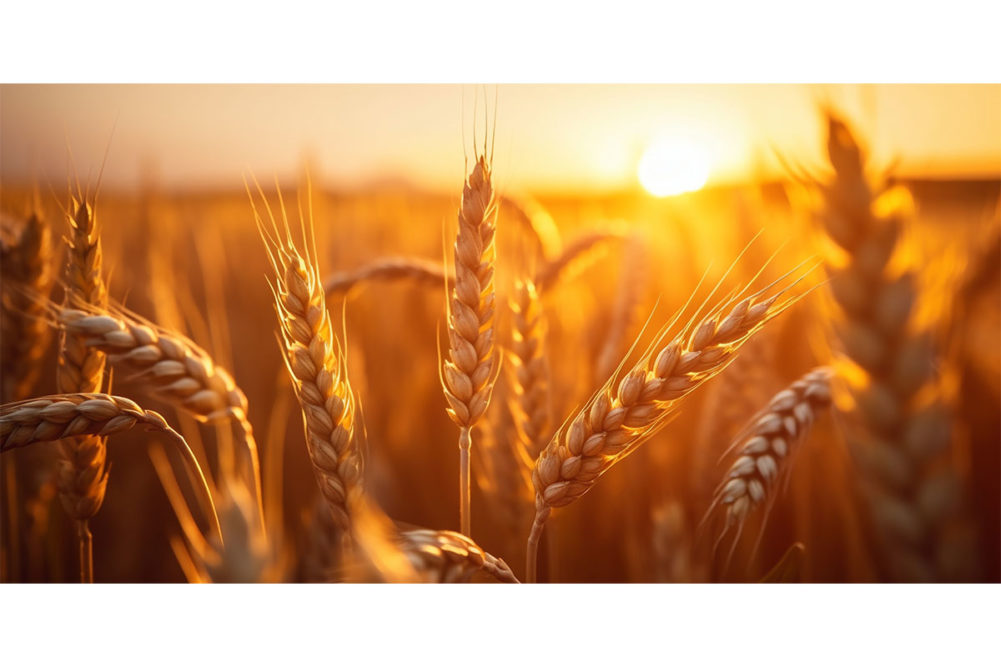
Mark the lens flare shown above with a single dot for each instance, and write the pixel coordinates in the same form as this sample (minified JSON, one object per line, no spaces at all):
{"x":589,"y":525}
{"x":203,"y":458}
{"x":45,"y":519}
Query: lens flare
{"x":673,"y":166}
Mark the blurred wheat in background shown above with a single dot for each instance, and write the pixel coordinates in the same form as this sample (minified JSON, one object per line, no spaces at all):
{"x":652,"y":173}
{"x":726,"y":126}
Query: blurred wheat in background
{"x":784,"y":378}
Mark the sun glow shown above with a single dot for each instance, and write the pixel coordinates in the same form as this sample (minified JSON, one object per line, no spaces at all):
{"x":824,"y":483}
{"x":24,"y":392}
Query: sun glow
{"x":671,"y":166}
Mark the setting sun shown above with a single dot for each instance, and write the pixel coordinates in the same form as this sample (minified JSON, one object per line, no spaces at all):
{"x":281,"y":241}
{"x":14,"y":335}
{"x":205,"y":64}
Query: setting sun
{"x":673,"y":166}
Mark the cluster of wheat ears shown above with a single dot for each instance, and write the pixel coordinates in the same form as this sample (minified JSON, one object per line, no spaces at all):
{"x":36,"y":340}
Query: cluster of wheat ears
{"x":881,"y":388}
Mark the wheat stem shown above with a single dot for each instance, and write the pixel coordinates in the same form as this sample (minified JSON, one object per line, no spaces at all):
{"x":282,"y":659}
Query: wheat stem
{"x":86,"y":549}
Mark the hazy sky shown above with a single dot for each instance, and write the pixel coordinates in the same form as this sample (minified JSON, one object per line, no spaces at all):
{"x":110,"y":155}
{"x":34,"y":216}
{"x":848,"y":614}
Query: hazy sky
{"x":548,"y":137}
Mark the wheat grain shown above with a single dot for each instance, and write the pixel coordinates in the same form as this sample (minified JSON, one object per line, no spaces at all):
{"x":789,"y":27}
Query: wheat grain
{"x":766,"y":447}
{"x":83,"y":471}
{"x":444,"y":556}
{"x":627,"y":411}
{"x":740,"y":390}
{"x":174,"y":368}
{"x":529,"y":369}
{"x":468,"y":373}
{"x":316,"y":366}
{"x":49,"y":418}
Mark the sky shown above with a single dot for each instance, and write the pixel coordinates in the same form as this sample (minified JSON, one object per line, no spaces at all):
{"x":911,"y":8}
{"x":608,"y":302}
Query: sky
{"x":548,"y":138}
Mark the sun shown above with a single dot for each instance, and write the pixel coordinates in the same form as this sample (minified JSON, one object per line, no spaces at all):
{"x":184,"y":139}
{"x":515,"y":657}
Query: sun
{"x":671,"y":166}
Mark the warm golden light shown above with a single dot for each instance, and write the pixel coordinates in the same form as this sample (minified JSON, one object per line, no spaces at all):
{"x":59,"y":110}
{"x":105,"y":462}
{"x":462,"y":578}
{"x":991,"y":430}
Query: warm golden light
{"x":671,"y":166}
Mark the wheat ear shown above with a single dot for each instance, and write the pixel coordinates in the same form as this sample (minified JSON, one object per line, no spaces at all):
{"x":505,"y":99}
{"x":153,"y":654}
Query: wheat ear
{"x":468,"y":374}
{"x":444,"y":556}
{"x":414,"y":269}
{"x":627,"y":411}
{"x":529,"y":369}
{"x":26,"y":281}
{"x":175,"y":368}
{"x":385,"y":553}
{"x":59,"y":416}
{"x":898,"y":425}
{"x":83,"y":469}
{"x":315,"y":363}
{"x":765,"y":448}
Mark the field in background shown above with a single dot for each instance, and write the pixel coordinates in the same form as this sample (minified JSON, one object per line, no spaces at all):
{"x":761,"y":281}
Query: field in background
{"x":196,"y":263}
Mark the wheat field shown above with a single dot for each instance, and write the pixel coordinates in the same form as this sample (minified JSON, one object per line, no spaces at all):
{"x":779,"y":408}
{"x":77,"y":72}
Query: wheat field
{"x":792,"y":380}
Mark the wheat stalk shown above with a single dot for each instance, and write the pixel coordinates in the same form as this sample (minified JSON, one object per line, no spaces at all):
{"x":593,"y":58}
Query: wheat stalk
{"x":468,"y":373}
{"x":239,"y":552}
{"x":622,"y":415}
{"x":59,"y":416}
{"x":316,"y":366}
{"x":415,"y":269}
{"x":83,"y":470}
{"x":766,"y":447}
{"x":899,"y":425}
{"x":670,"y":544}
{"x":26,"y":281}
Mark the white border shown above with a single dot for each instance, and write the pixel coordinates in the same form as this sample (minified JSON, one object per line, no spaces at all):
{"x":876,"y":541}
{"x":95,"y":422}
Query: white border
{"x":515,"y":41}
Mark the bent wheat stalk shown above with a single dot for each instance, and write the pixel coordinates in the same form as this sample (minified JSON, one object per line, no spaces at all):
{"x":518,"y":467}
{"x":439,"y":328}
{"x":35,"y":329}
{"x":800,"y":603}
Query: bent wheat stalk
{"x":574,"y":255}
{"x":541,"y":227}
{"x":83,"y":470}
{"x":622,"y":415}
{"x":315,"y":363}
{"x":175,"y":368}
{"x":239,"y":553}
{"x":59,"y":416}
{"x":468,"y":374}
{"x":415,"y":269}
